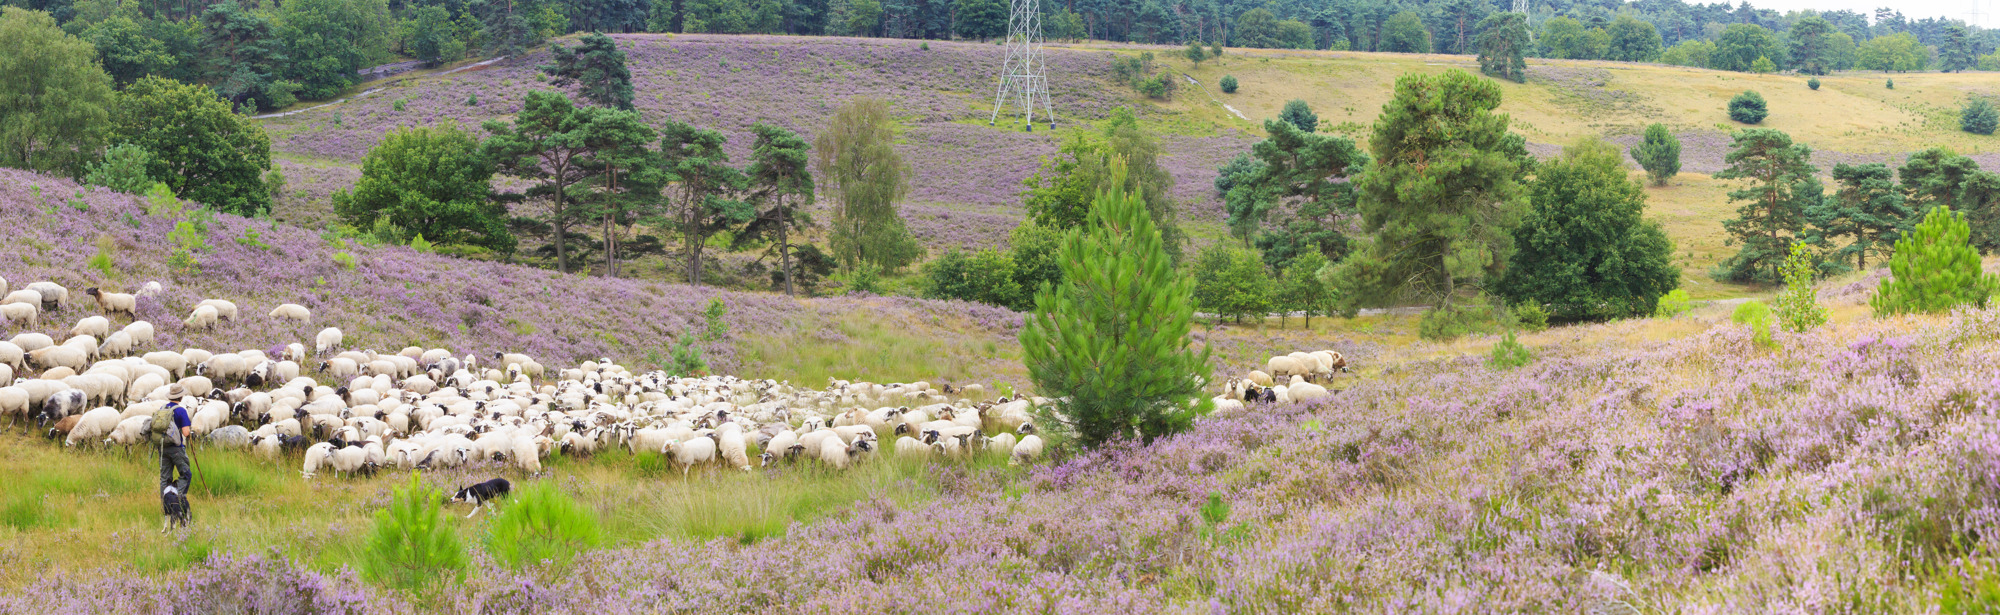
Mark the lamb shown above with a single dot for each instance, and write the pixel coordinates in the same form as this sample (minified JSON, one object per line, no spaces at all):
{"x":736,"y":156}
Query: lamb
{"x":92,"y":425}
{"x":62,"y":428}
{"x":224,"y":310}
{"x":1029,"y":448}
{"x":690,"y":452}
{"x":292,"y":311}
{"x":23,"y":314}
{"x":204,"y":317}
{"x":327,"y":340}
{"x":114,"y":303}
{"x":53,"y":294}
{"x":131,"y":432}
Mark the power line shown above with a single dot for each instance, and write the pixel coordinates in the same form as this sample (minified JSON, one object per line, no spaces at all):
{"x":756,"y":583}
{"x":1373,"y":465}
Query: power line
{"x":1025,"y":77}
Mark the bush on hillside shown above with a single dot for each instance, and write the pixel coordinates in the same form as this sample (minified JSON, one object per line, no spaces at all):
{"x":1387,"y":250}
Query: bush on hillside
{"x":1674,"y":303}
{"x":1798,"y":305}
{"x":1748,"y":108}
{"x":1509,"y":353}
{"x":1813,"y":84}
{"x":986,"y":276}
{"x":1935,"y":269}
{"x":542,"y":525}
{"x":1757,"y":316}
{"x":1659,"y":153}
{"x":1979,"y":117}
{"x":1763,"y":65}
{"x":1229,"y":84}
{"x":412,"y":546}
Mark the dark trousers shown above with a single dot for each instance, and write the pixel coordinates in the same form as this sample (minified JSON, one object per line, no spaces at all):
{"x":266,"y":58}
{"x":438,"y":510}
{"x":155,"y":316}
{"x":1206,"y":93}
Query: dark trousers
{"x":174,"y":459}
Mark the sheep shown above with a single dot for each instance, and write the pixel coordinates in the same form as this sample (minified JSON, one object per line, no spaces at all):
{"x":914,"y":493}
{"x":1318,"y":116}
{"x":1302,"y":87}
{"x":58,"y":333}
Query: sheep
{"x":349,"y":460}
{"x":231,"y":437}
{"x":204,"y":317}
{"x":92,"y":425}
{"x":143,"y":386}
{"x":12,"y":356}
{"x":1029,"y":448}
{"x":224,"y":368}
{"x":94,"y":326}
{"x":693,"y":451}
{"x":1002,"y":444}
{"x":729,"y":441}
{"x":1282,"y":366}
{"x":150,"y":289}
{"x":53,"y":294}
{"x":292,"y":311}
{"x":225,"y":310}
{"x":141,"y":332}
{"x":60,"y":356}
{"x":117,"y":345}
{"x":1300,"y":390}
{"x":174,"y":362}
{"x":527,"y":455}
{"x":131,"y":432}
{"x":23,"y":314}
{"x":197,"y":386}
{"x":30,"y":342}
{"x":209,"y":418}
{"x":909,"y":447}
{"x":62,"y":428}
{"x":315,"y":455}
{"x":23,"y":296}
{"x":341,"y":368}
{"x":114,"y":303}
{"x":833,"y":452}
{"x":327,"y":340}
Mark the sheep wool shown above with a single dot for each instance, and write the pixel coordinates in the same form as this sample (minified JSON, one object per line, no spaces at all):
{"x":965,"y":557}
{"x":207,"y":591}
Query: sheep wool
{"x":292,"y":311}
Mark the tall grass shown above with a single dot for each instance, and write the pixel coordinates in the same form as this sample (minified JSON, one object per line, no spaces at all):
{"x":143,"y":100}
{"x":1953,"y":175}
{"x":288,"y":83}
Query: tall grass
{"x":751,"y":506}
{"x":542,"y":525}
{"x":879,"y":351}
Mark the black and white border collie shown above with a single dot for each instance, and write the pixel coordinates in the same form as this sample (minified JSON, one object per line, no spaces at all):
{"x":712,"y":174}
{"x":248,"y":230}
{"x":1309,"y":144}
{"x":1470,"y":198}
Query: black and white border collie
{"x":482,"y":493}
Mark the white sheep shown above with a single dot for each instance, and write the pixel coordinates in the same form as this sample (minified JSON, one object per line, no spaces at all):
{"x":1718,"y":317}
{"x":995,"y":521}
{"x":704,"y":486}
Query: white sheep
{"x":117,"y":345}
{"x":690,"y":452}
{"x":349,"y":460}
{"x":12,"y":356}
{"x":174,"y":362}
{"x":22,"y":314}
{"x":23,"y":296}
{"x":93,"y":425}
{"x":225,"y":310}
{"x":131,"y":432}
{"x":1283,"y":366}
{"x":31,"y":342}
{"x":204,"y":317}
{"x":315,"y":455}
{"x":833,"y":452}
{"x":150,"y":289}
{"x":141,"y":332}
{"x":1029,"y":448}
{"x":527,"y":455}
{"x":327,"y":340}
{"x":71,"y":357}
{"x":53,"y":294}
{"x":224,"y":368}
{"x":731,"y":446}
{"x":292,"y":311}
{"x":114,"y":303}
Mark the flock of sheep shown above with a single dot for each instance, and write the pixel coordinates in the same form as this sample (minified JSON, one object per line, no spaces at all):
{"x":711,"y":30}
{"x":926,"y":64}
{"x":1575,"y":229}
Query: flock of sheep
{"x":1284,"y":379}
{"x":422,"y":408}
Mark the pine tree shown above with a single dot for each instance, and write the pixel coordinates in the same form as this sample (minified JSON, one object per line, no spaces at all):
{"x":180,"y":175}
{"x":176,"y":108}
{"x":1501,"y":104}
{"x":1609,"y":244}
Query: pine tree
{"x":1935,"y":269}
{"x":1292,"y":166}
{"x":782,"y":187}
{"x":1300,"y":115}
{"x":1113,"y":340}
{"x":1978,"y":117}
{"x":541,"y":144}
{"x":1442,"y":197}
{"x":124,"y":169}
{"x":1748,"y":108}
{"x":1957,"y":51}
{"x":704,"y":187}
{"x":1774,"y":205}
{"x":1937,"y":176}
{"x":1868,"y":208}
{"x":1503,"y":39}
{"x":619,"y":172}
{"x":1659,"y":154}
{"x":597,"y":66}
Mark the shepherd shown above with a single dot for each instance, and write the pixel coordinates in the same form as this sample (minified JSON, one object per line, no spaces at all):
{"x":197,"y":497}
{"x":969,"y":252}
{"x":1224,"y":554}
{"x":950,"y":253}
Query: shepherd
{"x":174,"y":474}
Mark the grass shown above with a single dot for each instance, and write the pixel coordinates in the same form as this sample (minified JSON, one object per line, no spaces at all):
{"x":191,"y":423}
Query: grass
{"x":857,"y":346}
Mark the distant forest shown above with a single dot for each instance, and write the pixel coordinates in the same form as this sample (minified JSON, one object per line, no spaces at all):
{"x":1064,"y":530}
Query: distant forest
{"x":264,"y":54}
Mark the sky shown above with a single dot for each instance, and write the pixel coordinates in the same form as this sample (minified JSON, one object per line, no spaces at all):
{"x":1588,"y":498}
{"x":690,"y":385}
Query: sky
{"x":1914,"y":9}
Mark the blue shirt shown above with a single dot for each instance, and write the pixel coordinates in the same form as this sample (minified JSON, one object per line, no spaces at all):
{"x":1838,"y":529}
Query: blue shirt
{"x":180,"y":420}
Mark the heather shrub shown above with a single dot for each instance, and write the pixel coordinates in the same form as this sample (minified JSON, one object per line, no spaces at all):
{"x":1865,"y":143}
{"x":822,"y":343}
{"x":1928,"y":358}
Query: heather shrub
{"x":1798,"y":307}
{"x":1477,"y":315}
{"x":1748,"y":108}
{"x":1935,"y":269}
{"x":412,"y":546}
{"x":1229,"y":84}
{"x":1674,"y":303}
{"x":542,"y":525}
{"x":1509,"y":353}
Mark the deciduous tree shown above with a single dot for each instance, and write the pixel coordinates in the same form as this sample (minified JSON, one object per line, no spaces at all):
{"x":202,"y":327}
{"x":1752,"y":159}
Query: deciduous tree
{"x":55,"y":103}
{"x":202,"y":149}
{"x":858,"y":165}
{"x":429,"y":182}
{"x":1585,"y":251}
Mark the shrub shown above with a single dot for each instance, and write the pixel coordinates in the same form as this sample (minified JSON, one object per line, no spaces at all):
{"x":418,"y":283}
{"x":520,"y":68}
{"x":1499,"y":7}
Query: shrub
{"x":1757,"y":316}
{"x":1532,"y":316}
{"x":124,"y":169}
{"x":102,"y":261}
{"x":1763,"y":65}
{"x":345,"y":260}
{"x":1979,"y":117}
{"x":1748,"y":108}
{"x":1229,"y":84}
{"x":1891,"y":84}
{"x":1463,"y":318}
{"x":542,"y":525}
{"x":1674,"y":303}
{"x":411,"y":544}
{"x":472,"y":100}
{"x":864,"y":278}
{"x":1195,"y":53}
{"x":1659,"y":153}
{"x":1935,"y":269}
{"x":1509,"y":353}
{"x":985,"y":277}
{"x":1798,"y":305}
{"x":1300,"y":115}
{"x":1215,"y":49}
{"x":1813,"y":84}
{"x":398,"y":103}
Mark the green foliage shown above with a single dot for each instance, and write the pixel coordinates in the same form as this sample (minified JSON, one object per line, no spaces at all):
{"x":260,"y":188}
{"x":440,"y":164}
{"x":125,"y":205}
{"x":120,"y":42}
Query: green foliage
{"x":1970,"y":585}
{"x":713,"y":325}
{"x":1773,"y":213}
{"x":1231,"y":282}
{"x":1299,"y":114}
{"x":1404,"y":33}
{"x":1697,"y":53}
{"x":1295,"y":34}
{"x":781,"y":181}
{"x":1531,"y":316}
{"x":1978,"y":117}
{"x":506,"y":25}
{"x":102,"y":261}
{"x":1585,"y":249}
{"x":1812,"y":46}
{"x":1956,"y":49}
{"x":420,"y":244}
{"x":1742,"y":44}
{"x":544,"y":142}
{"x":1228,"y":84}
{"x":398,"y":103}
{"x":188,"y":238}
{"x":597,"y":66}
{"x":1256,"y":28}
{"x":245,"y":58}
{"x":1466,"y":317}
{"x":1509,"y":353}
{"x":1869,"y":208}
{"x":982,"y":19}
{"x":203,"y":150}
{"x":1813,"y":84}
{"x":1763,"y":65}
{"x":1748,"y":107}
{"x":1891,"y":84}
{"x":126,"y":49}
{"x":1659,"y":153}
{"x":160,"y":201}
{"x":1674,"y":304}
{"x":472,"y":100}
{"x":428,"y":182}
{"x":1442,"y":197}
{"x":702,"y":195}
{"x":859,"y":168}
{"x":1798,"y":307}
{"x":1060,"y":196}
{"x":1935,"y":269}
{"x":1034,"y":250}
{"x":123,"y":169}
{"x":1114,"y":339}
{"x":1567,"y":38}
{"x":1194,"y":52}
{"x":1757,"y":316}
{"x":1937,"y":176}
{"x":55,"y":102}
{"x":1215,"y":511}
{"x":1900,"y":52}
{"x":1301,"y":290}
{"x":542,"y":525}
{"x":433,"y":37}
{"x":864,"y":277}
{"x":987,"y":276}
{"x":327,"y":41}
{"x":1632,"y":40}
{"x":1297,"y":168}
{"x":1503,"y":41}
{"x":344,"y":260}
{"x":411,"y":545}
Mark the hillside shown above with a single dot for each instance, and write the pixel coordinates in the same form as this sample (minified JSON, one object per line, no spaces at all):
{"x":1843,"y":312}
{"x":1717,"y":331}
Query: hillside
{"x":968,"y":176}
